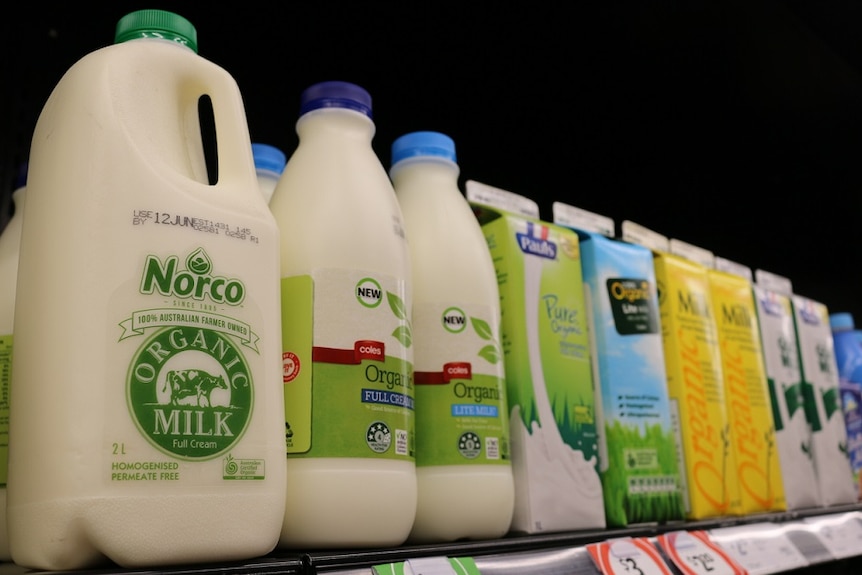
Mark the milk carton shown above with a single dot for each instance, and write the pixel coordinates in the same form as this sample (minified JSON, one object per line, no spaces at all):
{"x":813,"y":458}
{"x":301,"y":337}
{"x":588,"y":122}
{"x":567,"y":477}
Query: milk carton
{"x":694,"y":378}
{"x":549,"y":382}
{"x":822,"y":401}
{"x":781,"y":360}
{"x":758,"y":466}
{"x":638,"y":460}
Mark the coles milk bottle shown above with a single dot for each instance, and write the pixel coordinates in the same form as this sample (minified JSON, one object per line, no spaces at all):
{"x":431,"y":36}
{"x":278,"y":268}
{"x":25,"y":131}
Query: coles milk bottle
{"x":268,"y":163}
{"x":10,"y":241}
{"x":347,"y":332}
{"x":145,"y":414}
{"x":465,"y":484}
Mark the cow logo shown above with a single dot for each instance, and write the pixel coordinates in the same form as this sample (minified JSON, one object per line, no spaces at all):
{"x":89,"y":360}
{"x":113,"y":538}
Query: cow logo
{"x":190,"y":392}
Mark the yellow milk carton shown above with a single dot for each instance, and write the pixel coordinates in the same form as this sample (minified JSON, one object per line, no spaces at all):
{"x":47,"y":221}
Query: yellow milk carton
{"x":694,"y":378}
{"x":758,"y":466}
{"x":820,"y":385}
{"x":784,"y":377}
{"x":637,"y":445}
{"x":549,"y":384}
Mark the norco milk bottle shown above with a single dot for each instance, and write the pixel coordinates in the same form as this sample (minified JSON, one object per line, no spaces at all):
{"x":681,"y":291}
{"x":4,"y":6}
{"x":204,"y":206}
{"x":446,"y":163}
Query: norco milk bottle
{"x":145,"y":418}
{"x":10,"y":241}
{"x":347,"y":332}
{"x":465,"y":482}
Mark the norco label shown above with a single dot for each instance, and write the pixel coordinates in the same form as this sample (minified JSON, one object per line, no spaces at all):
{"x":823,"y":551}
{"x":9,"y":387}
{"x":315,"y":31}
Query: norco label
{"x":189,"y":384}
{"x":190,"y":392}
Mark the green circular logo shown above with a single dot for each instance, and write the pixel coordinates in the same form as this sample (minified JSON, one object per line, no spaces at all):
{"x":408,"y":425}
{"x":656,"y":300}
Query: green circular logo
{"x":190,"y":392}
{"x":368,"y":292}
{"x":454,"y":320}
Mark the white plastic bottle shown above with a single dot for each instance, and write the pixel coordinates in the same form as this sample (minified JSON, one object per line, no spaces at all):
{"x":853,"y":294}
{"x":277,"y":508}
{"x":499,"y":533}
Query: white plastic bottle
{"x":465,"y":483}
{"x":10,"y":241}
{"x":348,"y":353}
{"x":145,"y":424}
{"x":269,"y":163}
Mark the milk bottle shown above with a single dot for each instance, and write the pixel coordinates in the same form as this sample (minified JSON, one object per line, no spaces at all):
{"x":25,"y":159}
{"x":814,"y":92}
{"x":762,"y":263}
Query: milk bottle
{"x":269,"y":164}
{"x":463,"y":467}
{"x":145,"y":418}
{"x":10,"y":241}
{"x":347,"y":331}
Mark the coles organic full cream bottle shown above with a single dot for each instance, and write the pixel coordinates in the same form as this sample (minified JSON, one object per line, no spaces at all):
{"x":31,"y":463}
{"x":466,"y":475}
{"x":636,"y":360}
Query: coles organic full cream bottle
{"x":347,"y":332}
{"x":465,"y":482}
{"x":145,"y":417}
{"x":10,"y":241}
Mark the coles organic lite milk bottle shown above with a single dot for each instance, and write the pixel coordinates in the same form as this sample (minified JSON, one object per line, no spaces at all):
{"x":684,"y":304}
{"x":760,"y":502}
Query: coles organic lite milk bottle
{"x":465,"y":485}
{"x":146,"y":412}
{"x":347,"y":333}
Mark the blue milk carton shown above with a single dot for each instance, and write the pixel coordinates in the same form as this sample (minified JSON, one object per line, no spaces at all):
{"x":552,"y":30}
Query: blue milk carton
{"x":848,"y":356}
{"x":638,"y":450}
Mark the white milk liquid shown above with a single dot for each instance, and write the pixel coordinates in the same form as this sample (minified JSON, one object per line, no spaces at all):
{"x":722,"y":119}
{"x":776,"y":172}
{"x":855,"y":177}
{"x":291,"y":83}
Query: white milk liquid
{"x":10,"y":241}
{"x":452,"y":268}
{"x":137,"y":405}
{"x":339,"y":219}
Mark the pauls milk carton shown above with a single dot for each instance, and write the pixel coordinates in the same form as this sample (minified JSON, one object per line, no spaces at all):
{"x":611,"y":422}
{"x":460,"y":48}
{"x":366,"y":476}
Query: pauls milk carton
{"x":820,"y":386}
{"x":694,"y":377}
{"x":549,"y":383}
{"x":784,"y":377}
{"x":758,"y":466}
{"x":637,"y":457}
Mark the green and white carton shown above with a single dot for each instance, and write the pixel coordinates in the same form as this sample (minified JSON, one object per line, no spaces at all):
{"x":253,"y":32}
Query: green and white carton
{"x":549,"y":382}
{"x":820,"y":385}
{"x":772,"y":294}
{"x":638,"y":450}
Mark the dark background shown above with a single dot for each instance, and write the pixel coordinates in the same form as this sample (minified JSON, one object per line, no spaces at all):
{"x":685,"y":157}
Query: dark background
{"x":734,"y":125}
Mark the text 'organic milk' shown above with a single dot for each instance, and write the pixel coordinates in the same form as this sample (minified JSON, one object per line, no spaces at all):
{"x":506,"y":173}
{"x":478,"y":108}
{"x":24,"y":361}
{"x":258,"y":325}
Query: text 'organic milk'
{"x":758,"y":465}
{"x":145,"y":419}
{"x":463,"y":466}
{"x":549,"y":381}
{"x":781,"y":361}
{"x":638,"y":458}
{"x":347,"y":301}
{"x":821,"y":387}
{"x":694,"y":378}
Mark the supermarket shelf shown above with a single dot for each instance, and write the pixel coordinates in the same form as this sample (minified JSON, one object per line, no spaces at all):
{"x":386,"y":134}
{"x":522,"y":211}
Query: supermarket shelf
{"x":542,"y":554}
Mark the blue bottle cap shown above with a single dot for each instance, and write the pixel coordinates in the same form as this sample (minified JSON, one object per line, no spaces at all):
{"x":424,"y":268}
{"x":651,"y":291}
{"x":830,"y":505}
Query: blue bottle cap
{"x":335,"y":94}
{"x":841,"y":321}
{"x":268,"y":157}
{"x":423,"y":144}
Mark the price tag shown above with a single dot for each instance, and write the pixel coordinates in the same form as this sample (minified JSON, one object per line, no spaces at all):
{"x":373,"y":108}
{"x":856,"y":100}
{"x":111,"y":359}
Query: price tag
{"x":430,"y":566}
{"x":694,"y":553}
{"x":840,"y":533}
{"x":761,"y":548}
{"x":628,"y":556}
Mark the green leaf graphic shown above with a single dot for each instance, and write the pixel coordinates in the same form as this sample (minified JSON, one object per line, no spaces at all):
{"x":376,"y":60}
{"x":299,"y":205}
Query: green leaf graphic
{"x":482,"y":328}
{"x":397,"y":305}
{"x":402,"y":334}
{"x":490,"y":354}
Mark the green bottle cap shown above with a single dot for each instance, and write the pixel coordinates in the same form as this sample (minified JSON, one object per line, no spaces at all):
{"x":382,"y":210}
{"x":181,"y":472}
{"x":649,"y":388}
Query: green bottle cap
{"x":156,"y":24}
